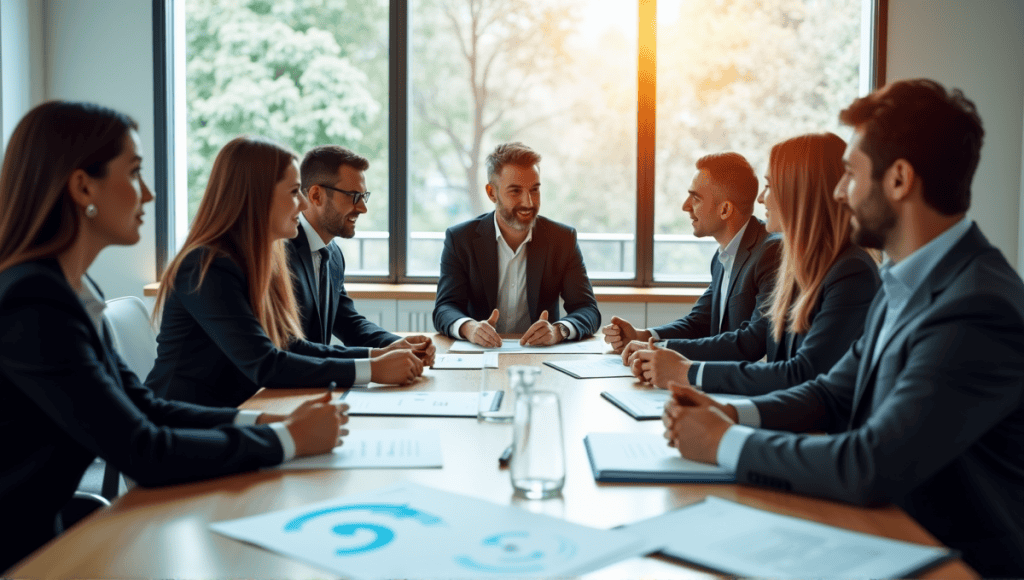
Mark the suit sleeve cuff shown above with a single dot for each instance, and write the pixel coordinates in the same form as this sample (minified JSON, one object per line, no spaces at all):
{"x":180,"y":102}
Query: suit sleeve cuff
{"x":731,"y":445}
{"x":573,"y":333}
{"x":456,"y":326}
{"x":696,"y":376}
{"x":747,"y":412}
{"x":654,"y":333}
{"x":247,"y":417}
{"x":285,"y":437}
{"x":364,"y":374}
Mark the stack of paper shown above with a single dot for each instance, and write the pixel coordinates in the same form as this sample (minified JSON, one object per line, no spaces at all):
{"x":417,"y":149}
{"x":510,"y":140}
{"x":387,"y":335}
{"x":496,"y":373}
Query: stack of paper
{"x":592,"y":367}
{"x":377,"y":449}
{"x":743,"y":541}
{"x":419,"y":403}
{"x":650,"y":404}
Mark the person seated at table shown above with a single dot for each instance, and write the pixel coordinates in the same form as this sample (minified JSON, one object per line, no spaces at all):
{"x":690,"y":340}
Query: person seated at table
{"x":333,"y":181}
{"x":926,"y":409}
{"x":229,"y":321}
{"x":70,"y":187}
{"x":504,"y":271}
{"x":721,"y":205}
{"x":822,"y":292}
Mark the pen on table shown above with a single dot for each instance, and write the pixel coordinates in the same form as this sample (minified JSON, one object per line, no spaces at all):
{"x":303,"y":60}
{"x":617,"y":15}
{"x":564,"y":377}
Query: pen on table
{"x":330,"y":388}
{"x":506,"y":456}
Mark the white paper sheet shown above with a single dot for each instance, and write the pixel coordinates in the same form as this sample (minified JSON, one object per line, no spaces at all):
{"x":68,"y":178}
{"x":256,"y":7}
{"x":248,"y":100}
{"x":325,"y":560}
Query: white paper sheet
{"x":410,"y":531}
{"x":743,"y":541}
{"x":645,"y":457}
{"x":378,"y":448}
{"x":466,"y":361}
{"x":592,"y":367}
{"x":414,"y":403}
{"x":650,"y":404}
{"x":512,"y":346}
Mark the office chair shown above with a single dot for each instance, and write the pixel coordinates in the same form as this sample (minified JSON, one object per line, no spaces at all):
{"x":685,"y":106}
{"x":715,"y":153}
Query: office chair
{"x":134,"y":339}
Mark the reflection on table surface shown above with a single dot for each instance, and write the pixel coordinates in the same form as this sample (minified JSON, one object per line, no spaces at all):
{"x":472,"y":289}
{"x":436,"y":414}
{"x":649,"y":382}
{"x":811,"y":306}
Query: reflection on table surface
{"x":163,"y":533}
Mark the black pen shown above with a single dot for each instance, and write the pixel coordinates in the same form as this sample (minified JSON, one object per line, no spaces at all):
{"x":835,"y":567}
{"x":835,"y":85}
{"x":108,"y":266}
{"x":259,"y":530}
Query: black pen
{"x":506,"y":456}
{"x":330,"y":388}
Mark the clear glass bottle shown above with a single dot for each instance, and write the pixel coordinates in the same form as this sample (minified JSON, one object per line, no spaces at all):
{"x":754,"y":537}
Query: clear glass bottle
{"x":538,"y":454}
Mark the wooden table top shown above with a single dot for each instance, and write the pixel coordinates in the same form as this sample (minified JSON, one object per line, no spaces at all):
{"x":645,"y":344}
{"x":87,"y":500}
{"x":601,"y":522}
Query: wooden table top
{"x":164,"y":532}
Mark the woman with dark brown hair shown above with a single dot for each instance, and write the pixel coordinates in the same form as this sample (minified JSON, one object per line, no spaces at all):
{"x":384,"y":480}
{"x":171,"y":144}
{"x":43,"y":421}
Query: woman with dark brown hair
{"x":229,"y":322}
{"x":71,"y":186}
{"x":822,"y":292}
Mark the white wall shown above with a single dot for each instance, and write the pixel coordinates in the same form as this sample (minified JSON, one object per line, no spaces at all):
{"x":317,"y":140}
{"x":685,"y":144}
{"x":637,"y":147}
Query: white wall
{"x":21,"y":62}
{"x":977,"y":46}
{"x":101,"y":51}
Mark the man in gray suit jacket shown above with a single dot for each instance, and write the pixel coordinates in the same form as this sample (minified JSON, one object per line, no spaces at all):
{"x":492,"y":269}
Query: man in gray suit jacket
{"x":926,"y":409}
{"x":720,"y":202}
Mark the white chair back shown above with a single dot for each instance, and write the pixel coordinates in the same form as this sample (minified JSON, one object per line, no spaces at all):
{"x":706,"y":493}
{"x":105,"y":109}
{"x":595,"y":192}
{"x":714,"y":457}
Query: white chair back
{"x":133,"y":334}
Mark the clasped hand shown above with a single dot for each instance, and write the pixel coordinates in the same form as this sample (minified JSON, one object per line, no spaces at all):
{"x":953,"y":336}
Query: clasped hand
{"x":656,"y":365}
{"x":315,"y":425}
{"x":695,"y":423}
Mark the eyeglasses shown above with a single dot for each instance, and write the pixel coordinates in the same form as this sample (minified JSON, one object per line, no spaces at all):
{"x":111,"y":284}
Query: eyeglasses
{"x":357,"y":196}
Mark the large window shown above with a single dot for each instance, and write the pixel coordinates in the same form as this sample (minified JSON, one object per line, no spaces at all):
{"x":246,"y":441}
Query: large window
{"x":619,"y":98}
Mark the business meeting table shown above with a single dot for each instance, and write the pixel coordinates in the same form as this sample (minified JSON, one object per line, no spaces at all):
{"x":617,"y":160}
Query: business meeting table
{"x":164,"y":532}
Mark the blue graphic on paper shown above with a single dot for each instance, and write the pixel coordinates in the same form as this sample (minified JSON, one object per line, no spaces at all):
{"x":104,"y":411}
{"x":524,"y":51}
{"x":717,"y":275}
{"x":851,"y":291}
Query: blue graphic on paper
{"x":519,"y":552}
{"x":382,"y":535}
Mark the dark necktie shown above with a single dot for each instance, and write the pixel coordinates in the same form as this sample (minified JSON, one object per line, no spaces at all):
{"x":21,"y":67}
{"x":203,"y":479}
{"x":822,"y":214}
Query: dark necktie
{"x":324,"y":283}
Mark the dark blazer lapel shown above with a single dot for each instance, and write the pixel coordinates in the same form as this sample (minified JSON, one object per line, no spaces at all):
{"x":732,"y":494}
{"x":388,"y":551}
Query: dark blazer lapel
{"x":743,"y":253}
{"x":871,"y":329}
{"x":716,"y":294}
{"x":485,"y":251}
{"x":306,"y":272}
{"x":536,"y":259}
{"x":337,"y":283}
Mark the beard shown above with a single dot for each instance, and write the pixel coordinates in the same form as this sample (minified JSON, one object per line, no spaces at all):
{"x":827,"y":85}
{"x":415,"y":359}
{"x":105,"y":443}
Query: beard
{"x":873,"y":221}
{"x":337,"y":224}
{"x":512,"y":218}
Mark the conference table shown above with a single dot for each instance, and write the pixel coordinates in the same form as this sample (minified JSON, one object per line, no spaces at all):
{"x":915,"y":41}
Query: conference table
{"x":164,"y":532}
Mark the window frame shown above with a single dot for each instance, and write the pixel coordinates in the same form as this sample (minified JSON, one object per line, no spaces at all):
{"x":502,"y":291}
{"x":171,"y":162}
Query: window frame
{"x":166,"y":24}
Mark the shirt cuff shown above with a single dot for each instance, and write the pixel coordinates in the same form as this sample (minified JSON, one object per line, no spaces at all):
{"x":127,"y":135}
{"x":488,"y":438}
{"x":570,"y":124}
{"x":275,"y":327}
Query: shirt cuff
{"x":747,"y":412}
{"x":700,"y":377}
{"x":654,"y":333}
{"x":456,"y":326}
{"x":364,"y":373}
{"x":285,"y":437}
{"x":247,"y":417}
{"x":731,"y":445}
{"x":572,"y":329}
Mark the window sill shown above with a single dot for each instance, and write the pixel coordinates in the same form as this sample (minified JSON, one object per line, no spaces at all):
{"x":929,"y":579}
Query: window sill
{"x":362,"y":291}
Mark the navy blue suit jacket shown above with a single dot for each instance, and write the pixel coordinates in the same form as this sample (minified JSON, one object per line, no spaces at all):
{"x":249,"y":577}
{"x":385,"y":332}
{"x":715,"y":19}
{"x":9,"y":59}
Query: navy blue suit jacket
{"x":837,"y":320}
{"x":341,"y":317}
{"x":468,"y":285}
{"x":934,"y":423}
{"x":66,"y":397}
{"x":212,"y":350}
{"x":750,"y":286}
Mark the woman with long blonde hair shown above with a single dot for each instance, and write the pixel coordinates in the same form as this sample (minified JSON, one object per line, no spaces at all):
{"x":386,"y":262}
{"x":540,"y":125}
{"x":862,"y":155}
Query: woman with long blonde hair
{"x":823,"y":288}
{"x":71,"y":185}
{"x":228,"y":318}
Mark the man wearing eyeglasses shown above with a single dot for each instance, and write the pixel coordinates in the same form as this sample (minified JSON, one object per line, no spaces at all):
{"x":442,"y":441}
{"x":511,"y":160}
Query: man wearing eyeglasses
{"x":503,"y":272}
{"x":332,"y":178}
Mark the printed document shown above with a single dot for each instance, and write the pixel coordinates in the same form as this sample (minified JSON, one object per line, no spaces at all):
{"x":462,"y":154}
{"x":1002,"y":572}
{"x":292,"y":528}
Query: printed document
{"x":378,"y":448}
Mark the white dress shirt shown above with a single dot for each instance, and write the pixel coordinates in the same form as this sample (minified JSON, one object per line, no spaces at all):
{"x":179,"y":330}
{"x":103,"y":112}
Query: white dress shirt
{"x":363,"y":369}
{"x":88,"y":295}
{"x":512,"y":302}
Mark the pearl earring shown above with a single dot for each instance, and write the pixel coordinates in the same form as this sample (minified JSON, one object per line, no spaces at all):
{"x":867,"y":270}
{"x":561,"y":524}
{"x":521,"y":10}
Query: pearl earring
{"x":91,"y":211}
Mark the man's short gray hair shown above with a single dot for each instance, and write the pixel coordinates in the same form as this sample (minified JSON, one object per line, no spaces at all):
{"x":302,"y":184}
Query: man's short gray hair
{"x":514,"y":153}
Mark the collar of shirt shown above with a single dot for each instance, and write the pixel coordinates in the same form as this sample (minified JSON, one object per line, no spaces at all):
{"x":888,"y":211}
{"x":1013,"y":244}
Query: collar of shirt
{"x":727,"y":253}
{"x":501,"y":238}
{"x":314,"y":239}
{"x":901,"y":280}
{"x":88,"y":295}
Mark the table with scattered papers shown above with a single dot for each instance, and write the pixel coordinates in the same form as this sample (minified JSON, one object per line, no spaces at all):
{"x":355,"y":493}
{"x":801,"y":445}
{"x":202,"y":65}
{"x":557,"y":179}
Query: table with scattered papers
{"x":180,"y":531}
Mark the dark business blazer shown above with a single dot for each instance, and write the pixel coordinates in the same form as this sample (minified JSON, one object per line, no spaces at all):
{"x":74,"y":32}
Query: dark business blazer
{"x":837,"y":320}
{"x":751,"y":283}
{"x":468,"y":286}
{"x":66,"y":397}
{"x":212,"y":350}
{"x":344,"y":322}
{"x":935,"y":425}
